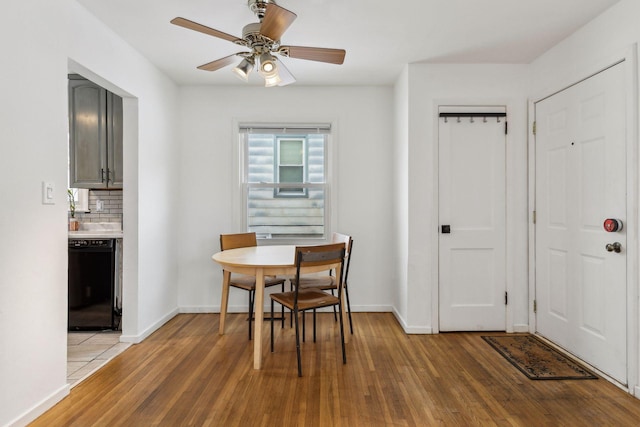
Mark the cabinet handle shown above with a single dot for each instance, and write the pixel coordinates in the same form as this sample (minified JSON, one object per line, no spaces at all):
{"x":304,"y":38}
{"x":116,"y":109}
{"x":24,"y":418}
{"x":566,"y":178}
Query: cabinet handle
{"x":102,"y":174}
{"x":109,"y":176}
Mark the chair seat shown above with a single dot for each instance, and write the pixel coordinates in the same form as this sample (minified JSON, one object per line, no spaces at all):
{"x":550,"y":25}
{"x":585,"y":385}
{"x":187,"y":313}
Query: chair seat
{"x":319,"y":282}
{"x":249,"y":282}
{"x":307,"y":298}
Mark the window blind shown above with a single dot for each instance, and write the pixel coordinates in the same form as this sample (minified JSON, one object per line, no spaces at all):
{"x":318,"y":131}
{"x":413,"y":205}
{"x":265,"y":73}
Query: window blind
{"x":285,"y":129}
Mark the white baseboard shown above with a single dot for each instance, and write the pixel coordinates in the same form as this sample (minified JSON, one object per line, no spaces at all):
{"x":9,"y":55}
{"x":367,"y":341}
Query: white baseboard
{"x":190,"y":309}
{"x":521,"y":329}
{"x":243,"y":309}
{"x":429,"y":330}
{"x":135,"y":339}
{"x":636,"y":392}
{"x":41,"y":407}
{"x":412,"y":330}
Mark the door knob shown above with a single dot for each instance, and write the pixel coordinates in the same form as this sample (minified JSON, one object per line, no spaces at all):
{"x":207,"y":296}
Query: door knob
{"x":613,"y":247}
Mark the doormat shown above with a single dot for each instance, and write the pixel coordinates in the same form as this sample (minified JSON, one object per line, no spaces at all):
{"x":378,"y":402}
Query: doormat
{"x":536,"y":359}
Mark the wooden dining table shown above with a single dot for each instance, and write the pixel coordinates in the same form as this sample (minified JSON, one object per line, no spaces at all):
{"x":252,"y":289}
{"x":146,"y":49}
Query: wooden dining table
{"x":261,"y":261}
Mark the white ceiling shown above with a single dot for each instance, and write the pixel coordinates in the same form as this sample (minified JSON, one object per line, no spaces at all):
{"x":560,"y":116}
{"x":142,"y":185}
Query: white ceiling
{"x":380,"y":37}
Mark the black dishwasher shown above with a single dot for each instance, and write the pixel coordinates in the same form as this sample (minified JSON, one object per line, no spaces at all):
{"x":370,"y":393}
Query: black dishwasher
{"x":91,"y":284}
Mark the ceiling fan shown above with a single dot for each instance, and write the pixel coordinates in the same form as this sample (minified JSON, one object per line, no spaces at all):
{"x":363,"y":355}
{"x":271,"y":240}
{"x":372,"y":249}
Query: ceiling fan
{"x":263,"y":40}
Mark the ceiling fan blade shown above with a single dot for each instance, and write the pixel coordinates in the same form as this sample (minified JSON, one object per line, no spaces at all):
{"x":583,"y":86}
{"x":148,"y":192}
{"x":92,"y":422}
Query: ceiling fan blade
{"x":218,"y":63}
{"x":183,"y":22}
{"x":320,"y":54}
{"x":276,"y":21}
{"x":286,"y":78}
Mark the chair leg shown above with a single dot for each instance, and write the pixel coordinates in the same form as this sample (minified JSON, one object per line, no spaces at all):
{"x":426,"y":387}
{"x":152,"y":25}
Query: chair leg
{"x":291,"y":311}
{"x":346,"y":292}
{"x":314,"y":325}
{"x":271,"y":326}
{"x":335,"y":314}
{"x":298,"y":342}
{"x":344,"y":353}
{"x":282,"y":307}
{"x":251,"y":298}
{"x":304,"y":326}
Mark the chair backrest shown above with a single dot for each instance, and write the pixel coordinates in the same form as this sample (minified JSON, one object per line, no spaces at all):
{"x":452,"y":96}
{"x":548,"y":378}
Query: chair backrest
{"x":319,"y":255}
{"x":348,"y":242}
{"x":342,"y":238}
{"x":237,"y":240}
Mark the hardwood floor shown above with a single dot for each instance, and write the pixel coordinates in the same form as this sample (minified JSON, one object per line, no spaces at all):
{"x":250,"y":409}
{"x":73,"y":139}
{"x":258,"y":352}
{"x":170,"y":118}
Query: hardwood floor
{"x":187,"y":374}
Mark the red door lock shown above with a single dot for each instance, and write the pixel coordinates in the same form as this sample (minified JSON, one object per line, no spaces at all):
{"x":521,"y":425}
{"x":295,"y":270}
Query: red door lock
{"x":612,"y":224}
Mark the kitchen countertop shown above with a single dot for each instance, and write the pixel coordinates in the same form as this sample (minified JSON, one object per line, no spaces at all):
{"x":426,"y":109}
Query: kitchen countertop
{"x":98,"y":230}
{"x":95,"y":234}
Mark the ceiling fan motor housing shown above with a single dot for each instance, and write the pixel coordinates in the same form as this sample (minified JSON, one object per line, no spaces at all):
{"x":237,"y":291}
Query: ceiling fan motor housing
{"x":254,"y":39}
{"x":259,"y":7}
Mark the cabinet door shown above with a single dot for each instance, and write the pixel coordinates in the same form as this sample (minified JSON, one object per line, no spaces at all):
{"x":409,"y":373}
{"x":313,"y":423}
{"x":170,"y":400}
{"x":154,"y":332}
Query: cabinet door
{"x":87,"y":135}
{"x":114,"y":140}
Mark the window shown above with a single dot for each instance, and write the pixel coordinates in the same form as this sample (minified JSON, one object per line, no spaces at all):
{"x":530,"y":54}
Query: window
{"x":81,"y":199}
{"x":291,"y":165}
{"x":285,"y":181}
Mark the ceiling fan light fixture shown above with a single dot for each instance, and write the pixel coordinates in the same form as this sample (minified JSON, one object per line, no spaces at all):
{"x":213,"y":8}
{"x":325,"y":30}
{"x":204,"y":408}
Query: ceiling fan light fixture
{"x":267,"y":64}
{"x":244,"y":68}
{"x":271,"y":80}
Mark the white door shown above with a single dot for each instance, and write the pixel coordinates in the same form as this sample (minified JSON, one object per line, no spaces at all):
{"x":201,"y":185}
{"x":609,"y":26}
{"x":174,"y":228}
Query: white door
{"x":580,"y":182}
{"x":472,"y":204}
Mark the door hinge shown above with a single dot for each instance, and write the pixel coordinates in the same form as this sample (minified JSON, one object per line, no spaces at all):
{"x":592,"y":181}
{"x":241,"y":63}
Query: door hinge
{"x":535,"y":306}
{"x":506,"y":127}
{"x":506,"y":298}
{"x":534,"y":217}
{"x":534,"y":128}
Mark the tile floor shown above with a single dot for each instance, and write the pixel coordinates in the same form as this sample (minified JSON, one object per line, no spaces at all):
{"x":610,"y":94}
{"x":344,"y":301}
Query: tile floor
{"x":89,"y":351}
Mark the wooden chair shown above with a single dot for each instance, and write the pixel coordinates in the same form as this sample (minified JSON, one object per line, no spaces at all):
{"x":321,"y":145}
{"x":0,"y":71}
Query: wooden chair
{"x":326,"y":283}
{"x":248,"y":283}
{"x":300,"y":300}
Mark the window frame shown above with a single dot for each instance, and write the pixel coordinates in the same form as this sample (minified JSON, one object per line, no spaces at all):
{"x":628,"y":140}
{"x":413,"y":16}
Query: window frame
{"x":240,"y":187}
{"x":280,"y":192}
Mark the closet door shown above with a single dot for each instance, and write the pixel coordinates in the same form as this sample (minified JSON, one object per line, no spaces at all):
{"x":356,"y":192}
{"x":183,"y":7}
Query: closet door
{"x":472,"y":224}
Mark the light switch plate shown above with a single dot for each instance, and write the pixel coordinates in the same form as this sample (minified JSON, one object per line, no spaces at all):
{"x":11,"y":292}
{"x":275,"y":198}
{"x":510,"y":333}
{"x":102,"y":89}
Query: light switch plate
{"x":48,"y":193}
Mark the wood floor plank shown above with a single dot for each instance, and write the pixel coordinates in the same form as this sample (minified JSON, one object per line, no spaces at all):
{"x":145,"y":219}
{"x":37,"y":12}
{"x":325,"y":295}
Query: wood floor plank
{"x":187,"y":374}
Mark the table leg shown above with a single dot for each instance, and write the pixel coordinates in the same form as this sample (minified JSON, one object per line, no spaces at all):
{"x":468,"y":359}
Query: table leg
{"x":224,"y":303}
{"x":259,"y":309}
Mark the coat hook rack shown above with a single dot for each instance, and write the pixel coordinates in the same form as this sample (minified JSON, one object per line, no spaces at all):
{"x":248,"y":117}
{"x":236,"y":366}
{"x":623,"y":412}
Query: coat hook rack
{"x":484,"y":116}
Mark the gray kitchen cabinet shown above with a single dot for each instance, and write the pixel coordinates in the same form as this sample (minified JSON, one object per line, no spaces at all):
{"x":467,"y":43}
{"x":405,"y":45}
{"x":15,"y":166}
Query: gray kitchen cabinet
{"x":95,"y":135}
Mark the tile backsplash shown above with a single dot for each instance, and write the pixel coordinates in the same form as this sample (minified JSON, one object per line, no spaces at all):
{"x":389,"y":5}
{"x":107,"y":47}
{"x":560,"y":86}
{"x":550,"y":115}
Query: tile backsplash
{"x":111,"y":207}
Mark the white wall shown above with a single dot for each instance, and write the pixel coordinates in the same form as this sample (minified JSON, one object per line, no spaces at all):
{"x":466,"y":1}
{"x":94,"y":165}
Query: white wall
{"x":42,"y":41}
{"x":428,"y":87}
{"x":364,"y":140}
{"x":401,"y":195}
{"x":607,"y":38}
{"x":33,"y":253}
